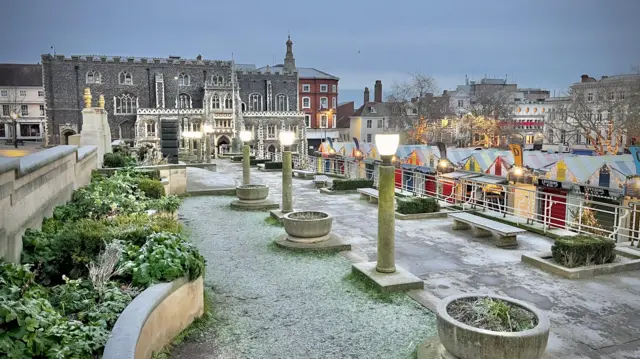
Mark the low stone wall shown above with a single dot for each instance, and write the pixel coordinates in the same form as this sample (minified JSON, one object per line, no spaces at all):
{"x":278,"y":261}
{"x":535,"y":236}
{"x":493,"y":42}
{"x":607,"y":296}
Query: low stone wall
{"x":174,"y":176}
{"x":32,"y":186}
{"x":154,"y":318}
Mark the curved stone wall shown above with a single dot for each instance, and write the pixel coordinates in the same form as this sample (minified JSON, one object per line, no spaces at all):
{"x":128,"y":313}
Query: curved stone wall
{"x":154,"y":318}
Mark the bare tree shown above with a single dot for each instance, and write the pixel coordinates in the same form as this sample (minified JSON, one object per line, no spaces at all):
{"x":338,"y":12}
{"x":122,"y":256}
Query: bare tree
{"x":414,"y":109}
{"x":477,"y":130}
{"x":600,"y":113}
{"x":12,"y":107}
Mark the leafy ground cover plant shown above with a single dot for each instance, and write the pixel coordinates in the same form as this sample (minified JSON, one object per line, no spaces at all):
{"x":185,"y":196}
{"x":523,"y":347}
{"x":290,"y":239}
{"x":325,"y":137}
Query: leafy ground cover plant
{"x":492,"y":314}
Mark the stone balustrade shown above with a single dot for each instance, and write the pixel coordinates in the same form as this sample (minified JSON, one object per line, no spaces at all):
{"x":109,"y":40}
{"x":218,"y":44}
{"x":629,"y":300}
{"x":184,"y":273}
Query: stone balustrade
{"x":32,"y":186}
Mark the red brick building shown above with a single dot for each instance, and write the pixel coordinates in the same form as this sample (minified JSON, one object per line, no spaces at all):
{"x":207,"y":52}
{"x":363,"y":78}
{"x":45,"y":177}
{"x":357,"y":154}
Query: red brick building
{"x":318,"y":96}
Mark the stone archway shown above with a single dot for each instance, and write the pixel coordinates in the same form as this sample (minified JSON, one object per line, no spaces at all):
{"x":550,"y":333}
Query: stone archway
{"x":65,"y":136}
{"x":223,"y":144}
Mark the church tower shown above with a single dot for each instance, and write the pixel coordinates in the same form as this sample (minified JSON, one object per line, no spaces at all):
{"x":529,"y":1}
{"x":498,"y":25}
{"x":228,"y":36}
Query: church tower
{"x":289,"y":60}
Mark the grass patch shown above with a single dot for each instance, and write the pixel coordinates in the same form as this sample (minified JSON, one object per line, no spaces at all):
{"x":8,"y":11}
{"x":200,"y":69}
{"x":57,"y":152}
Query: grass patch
{"x":362,"y":283}
{"x":273,"y":222}
{"x":197,"y":329}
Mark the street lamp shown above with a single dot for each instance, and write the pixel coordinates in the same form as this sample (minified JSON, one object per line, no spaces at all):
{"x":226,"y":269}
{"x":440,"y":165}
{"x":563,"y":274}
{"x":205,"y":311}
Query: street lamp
{"x":387,"y":145}
{"x":245,"y":137}
{"x":208,"y":130}
{"x":14,"y":118}
{"x":286,"y":139}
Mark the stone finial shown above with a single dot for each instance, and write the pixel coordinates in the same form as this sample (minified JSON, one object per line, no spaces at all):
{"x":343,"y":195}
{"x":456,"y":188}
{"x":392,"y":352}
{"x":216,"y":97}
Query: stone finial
{"x":101,"y":102}
{"x":87,"y":97}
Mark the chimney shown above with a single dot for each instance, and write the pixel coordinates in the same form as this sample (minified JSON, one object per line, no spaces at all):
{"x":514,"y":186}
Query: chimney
{"x":366,"y":95}
{"x":377,"y":94}
{"x":584,"y":78}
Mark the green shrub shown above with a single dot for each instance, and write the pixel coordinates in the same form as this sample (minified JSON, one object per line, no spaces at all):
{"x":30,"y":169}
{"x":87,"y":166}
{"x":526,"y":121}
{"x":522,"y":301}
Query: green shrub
{"x":340,"y":184}
{"x":272,"y":165}
{"x":168,"y":204}
{"x":77,"y":244}
{"x":417,"y":205}
{"x":583,"y":250}
{"x":117,"y":159}
{"x":135,"y":228}
{"x":163,"y":258}
{"x":151,"y":188}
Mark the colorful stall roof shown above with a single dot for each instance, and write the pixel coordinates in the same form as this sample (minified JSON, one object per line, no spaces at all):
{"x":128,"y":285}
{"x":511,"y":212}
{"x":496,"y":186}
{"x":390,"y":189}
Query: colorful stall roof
{"x":481,"y":161}
{"x":579,"y":169}
{"x":612,"y":174}
{"x":534,"y":160}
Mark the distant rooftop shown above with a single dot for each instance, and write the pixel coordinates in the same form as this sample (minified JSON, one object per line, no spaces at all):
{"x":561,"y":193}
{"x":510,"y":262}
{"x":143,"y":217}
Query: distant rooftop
{"x":303,"y":72}
{"x":137,"y":59}
{"x":17,"y":75}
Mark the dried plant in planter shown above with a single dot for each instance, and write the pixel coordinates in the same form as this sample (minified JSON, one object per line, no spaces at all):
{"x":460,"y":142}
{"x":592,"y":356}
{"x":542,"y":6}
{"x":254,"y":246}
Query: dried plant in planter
{"x":104,"y":268}
{"x":492,"y":314}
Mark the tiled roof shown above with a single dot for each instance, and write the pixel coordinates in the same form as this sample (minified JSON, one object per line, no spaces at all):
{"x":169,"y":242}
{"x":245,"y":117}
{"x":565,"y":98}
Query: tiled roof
{"x":365,"y":110}
{"x":17,"y":75}
{"x":303,"y":72}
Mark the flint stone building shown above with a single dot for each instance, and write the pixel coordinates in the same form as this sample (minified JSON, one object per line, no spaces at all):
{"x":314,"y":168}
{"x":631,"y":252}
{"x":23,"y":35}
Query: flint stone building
{"x":220,"y":97}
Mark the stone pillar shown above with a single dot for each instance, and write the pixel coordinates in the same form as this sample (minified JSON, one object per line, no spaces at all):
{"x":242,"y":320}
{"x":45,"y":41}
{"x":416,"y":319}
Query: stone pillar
{"x":246,"y":174}
{"x":386,"y":220}
{"x":209,"y":152}
{"x":95,"y":128}
{"x":287,"y":196}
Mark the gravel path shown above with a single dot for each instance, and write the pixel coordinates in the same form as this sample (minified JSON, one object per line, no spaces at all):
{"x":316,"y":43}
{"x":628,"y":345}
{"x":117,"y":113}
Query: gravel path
{"x":271,"y":303}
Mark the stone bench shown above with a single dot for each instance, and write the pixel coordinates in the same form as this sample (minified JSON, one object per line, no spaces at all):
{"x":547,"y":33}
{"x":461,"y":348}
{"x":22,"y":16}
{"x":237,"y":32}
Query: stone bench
{"x":370,"y":194}
{"x":303,"y":174}
{"x":320,"y":181}
{"x":403,"y":193}
{"x":486,"y":228}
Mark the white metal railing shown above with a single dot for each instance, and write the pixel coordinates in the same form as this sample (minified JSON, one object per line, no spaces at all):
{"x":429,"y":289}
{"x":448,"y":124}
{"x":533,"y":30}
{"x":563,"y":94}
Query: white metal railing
{"x":528,"y":204}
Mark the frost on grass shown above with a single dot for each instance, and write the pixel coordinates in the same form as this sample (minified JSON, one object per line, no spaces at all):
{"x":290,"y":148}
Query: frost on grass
{"x":278,"y":304}
{"x":492,"y":314}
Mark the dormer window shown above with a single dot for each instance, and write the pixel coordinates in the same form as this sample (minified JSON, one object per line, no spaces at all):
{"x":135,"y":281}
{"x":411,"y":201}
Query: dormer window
{"x":372,"y":109}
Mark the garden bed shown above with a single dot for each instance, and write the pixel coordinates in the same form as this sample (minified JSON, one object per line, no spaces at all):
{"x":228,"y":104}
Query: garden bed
{"x":624,"y":262}
{"x":330,"y":191}
{"x":88,"y":262}
{"x":418,"y":208}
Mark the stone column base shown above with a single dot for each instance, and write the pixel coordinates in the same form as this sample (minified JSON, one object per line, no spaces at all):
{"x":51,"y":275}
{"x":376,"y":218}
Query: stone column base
{"x":482,"y":233}
{"x":259,"y":205}
{"x":432,"y":348}
{"x":507,"y":242}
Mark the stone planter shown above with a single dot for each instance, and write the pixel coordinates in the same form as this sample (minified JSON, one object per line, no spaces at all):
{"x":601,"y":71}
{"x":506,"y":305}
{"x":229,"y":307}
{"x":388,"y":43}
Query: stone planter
{"x":467,"y":342}
{"x":252,"y":192}
{"x":253,"y":197}
{"x":307,"y":226}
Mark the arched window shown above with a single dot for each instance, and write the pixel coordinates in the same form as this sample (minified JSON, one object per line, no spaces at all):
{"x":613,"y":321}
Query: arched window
{"x":183,"y":80}
{"x":125,"y":104}
{"x":243,"y":107}
{"x":127,"y":130}
{"x":281,"y":103}
{"x":217,"y":80}
{"x":215,"y":101}
{"x":228,"y":102}
{"x":125,"y":78}
{"x":93,"y":77}
{"x":150,"y":128}
{"x":255,"y":102}
{"x":184,"y":101}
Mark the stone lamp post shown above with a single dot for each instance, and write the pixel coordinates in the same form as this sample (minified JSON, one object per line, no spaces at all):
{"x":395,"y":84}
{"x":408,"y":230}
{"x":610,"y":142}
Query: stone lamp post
{"x":245,"y":137}
{"x":208,"y":130}
{"x":286,"y":139}
{"x":387,"y":145}
{"x":384,"y":272}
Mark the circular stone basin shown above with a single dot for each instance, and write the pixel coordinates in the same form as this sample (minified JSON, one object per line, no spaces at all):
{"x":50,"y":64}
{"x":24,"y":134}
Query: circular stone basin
{"x":307,"y":224}
{"x":252,"y":192}
{"x":467,"y":342}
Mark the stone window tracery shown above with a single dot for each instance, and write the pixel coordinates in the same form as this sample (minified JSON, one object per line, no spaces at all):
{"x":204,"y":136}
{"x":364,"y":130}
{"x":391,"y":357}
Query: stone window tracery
{"x":281,"y":103}
{"x":217,"y":80}
{"x":215,"y":101}
{"x":94,"y":77}
{"x":228,"y":102}
{"x":150,"y":127}
{"x":184,"y":80}
{"x":255,"y":102}
{"x":125,"y":78}
{"x":125,"y":104}
{"x":184,"y":101}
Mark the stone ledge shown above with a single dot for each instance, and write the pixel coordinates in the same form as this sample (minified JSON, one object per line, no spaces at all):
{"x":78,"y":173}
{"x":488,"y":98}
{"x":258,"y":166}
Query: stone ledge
{"x":335,"y":243}
{"x":213,"y":192}
{"x":540,"y":261}
{"x":34,"y":161}
{"x":149,"y":322}
{"x":400,"y":280}
{"x":85,"y":151}
{"x":405,"y":217}
{"x":263,"y":205}
{"x":328,"y":191}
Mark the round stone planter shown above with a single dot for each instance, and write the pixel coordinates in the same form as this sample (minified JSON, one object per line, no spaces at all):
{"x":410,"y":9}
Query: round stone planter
{"x":467,"y":342}
{"x":252,"y":192}
{"x":307,"y":226}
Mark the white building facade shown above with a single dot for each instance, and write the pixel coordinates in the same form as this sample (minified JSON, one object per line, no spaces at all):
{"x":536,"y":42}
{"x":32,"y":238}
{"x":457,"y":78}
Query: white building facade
{"x":22,"y":93}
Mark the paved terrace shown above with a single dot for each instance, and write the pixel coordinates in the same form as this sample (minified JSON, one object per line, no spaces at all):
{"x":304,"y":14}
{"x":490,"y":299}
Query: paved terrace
{"x":595,"y":318}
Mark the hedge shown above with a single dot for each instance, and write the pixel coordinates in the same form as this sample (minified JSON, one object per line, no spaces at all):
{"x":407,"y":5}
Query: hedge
{"x":417,"y":205}
{"x":151,"y":188}
{"x":272,"y":165}
{"x":583,"y":250}
{"x":350,"y":184}
{"x":239,"y":158}
{"x":117,"y":159}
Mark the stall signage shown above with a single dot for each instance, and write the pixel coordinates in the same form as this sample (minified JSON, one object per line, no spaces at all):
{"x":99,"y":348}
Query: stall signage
{"x":549,"y":183}
{"x":594,"y":191}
